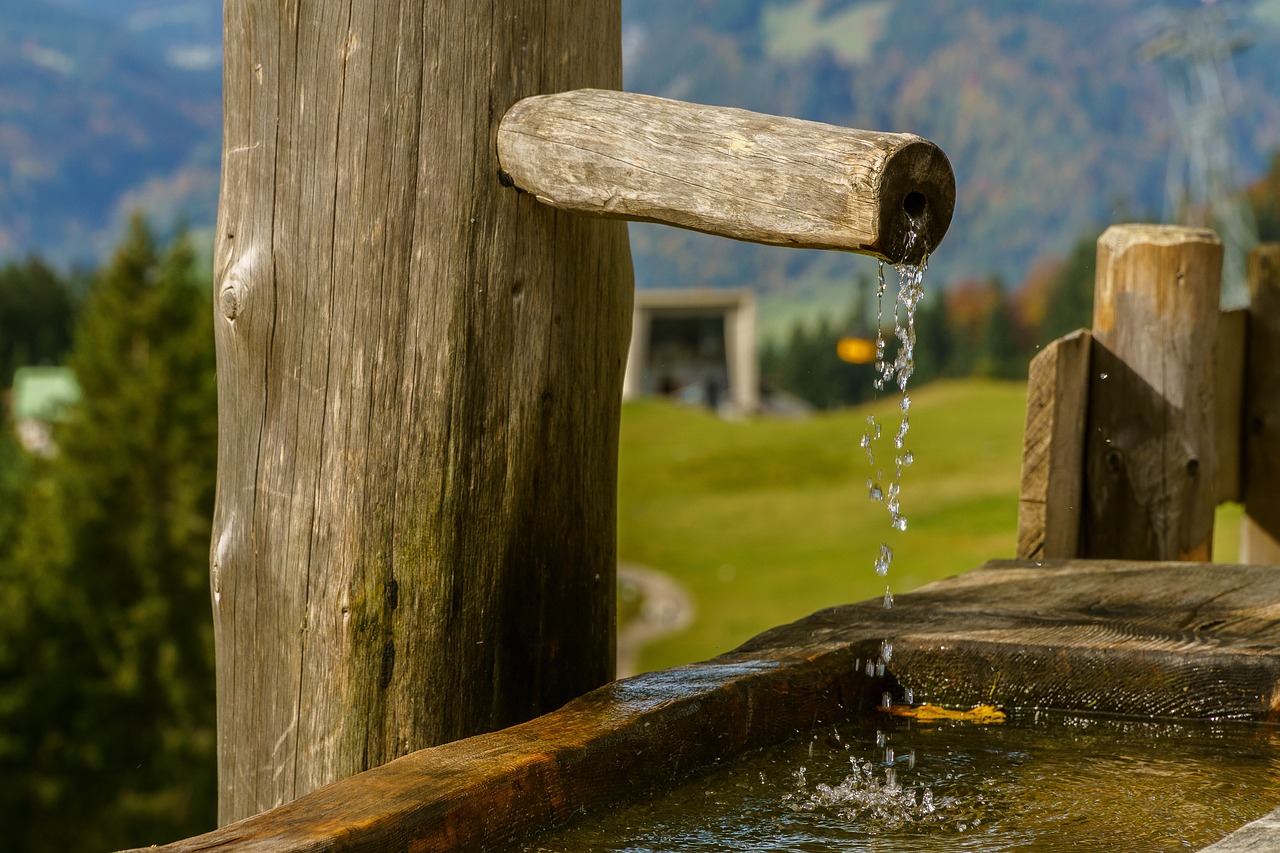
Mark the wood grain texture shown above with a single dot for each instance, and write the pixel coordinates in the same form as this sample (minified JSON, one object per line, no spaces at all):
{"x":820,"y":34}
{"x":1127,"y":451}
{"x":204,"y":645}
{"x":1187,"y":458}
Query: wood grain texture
{"x":419,"y":381}
{"x":1256,"y":544}
{"x":1228,"y":394}
{"x":1151,"y":465}
{"x":1262,"y":392}
{"x":1149,"y":639}
{"x":1052,"y":485}
{"x":730,"y":172}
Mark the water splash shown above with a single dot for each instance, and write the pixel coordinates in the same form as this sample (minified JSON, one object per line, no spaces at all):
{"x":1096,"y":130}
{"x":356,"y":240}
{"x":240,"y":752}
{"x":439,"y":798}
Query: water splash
{"x":862,"y":796}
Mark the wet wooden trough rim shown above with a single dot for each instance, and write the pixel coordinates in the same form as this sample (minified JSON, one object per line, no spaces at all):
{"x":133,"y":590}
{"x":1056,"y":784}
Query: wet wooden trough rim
{"x":1155,"y":639}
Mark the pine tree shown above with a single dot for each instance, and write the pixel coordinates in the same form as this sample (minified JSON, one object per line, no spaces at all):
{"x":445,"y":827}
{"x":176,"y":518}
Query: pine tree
{"x":106,"y":648}
{"x":1070,"y":302}
{"x":37,"y":313}
{"x":1000,"y":357}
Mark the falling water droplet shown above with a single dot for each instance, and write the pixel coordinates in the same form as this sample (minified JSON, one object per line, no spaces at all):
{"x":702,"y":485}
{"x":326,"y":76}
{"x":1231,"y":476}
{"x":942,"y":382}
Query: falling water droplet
{"x":909,"y":695}
{"x":888,"y":599}
{"x":885,"y":558}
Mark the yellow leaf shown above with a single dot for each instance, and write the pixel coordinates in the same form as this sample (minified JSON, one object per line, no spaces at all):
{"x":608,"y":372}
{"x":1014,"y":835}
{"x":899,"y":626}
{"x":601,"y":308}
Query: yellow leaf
{"x":927,"y":713}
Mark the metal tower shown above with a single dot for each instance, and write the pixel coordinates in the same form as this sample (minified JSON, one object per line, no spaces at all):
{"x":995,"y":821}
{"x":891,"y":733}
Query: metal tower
{"x":1194,"y":49}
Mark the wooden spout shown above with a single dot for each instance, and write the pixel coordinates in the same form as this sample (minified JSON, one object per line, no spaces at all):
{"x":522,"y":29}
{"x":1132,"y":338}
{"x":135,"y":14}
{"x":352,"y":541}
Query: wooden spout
{"x":754,"y":177}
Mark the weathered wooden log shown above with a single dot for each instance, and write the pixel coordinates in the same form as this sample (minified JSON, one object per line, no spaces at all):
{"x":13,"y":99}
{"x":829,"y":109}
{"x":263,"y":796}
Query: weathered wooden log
{"x":1051,"y":493}
{"x":1151,"y":466}
{"x":419,"y":379}
{"x":1150,"y":639}
{"x":1228,"y":388}
{"x":730,"y":172}
{"x":1262,"y":404}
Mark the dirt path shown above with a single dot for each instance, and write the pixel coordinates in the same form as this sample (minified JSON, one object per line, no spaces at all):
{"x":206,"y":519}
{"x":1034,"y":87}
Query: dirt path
{"x":665,"y":608}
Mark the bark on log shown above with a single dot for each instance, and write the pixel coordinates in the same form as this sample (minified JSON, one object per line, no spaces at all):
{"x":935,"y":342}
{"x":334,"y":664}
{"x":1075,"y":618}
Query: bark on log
{"x":1148,"y":639}
{"x":730,"y":172}
{"x":419,"y":379}
{"x":1151,"y":470}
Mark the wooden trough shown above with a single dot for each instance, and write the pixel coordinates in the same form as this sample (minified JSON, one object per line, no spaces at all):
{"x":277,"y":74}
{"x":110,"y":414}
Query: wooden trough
{"x":1137,"y":638}
{"x":1146,"y":638}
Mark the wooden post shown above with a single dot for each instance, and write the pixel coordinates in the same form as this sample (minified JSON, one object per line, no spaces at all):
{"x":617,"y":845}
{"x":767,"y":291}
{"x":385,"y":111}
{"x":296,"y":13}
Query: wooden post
{"x":1052,"y":488}
{"x":1261,"y":469}
{"x":419,"y":382}
{"x":1151,"y":467}
{"x":725,"y":171}
{"x":1228,"y":388}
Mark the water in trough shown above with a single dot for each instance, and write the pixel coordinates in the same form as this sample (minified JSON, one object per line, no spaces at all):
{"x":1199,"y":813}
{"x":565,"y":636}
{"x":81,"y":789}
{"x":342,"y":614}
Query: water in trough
{"x":1042,"y":781}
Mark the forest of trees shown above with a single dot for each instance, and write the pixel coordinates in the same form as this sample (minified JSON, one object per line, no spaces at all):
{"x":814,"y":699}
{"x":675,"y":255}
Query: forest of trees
{"x":976,"y":328}
{"x":106,"y":639}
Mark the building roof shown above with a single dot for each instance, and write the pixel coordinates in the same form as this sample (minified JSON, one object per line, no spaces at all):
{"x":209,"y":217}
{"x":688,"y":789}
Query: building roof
{"x":43,"y":393}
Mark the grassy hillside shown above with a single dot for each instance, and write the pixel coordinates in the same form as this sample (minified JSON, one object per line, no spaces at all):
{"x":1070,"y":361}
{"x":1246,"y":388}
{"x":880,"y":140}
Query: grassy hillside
{"x":767,"y":521}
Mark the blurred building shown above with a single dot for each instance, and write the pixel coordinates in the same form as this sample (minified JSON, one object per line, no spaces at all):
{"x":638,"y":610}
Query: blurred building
{"x":698,"y":346}
{"x":41,"y":398}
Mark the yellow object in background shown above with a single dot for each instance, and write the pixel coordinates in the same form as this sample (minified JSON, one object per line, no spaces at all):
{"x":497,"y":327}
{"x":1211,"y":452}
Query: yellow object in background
{"x":856,"y":350}
{"x":926,"y":713}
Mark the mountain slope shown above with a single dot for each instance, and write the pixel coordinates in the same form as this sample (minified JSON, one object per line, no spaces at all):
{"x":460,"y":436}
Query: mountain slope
{"x":1054,"y":121}
{"x":94,"y":121}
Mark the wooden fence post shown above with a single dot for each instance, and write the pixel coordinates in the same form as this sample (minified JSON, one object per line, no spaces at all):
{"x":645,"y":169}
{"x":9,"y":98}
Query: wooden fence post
{"x":419,"y":384}
{"x":1051,"y":495}
{"x":1151,"y":467}
{"x":1261,"y":471}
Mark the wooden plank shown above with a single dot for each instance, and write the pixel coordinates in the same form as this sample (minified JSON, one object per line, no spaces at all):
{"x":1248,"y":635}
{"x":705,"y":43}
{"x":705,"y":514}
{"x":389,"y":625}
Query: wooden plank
{"x":1257,"y":545}
{"x":1149,"y":639}
{"x":1052,"y":484}
{"x":730,"y":172}
{"x":1262,"y":393}
{"x":1229,"y":404}
{"x":419,"y":383}
{"x":1151,"y":466}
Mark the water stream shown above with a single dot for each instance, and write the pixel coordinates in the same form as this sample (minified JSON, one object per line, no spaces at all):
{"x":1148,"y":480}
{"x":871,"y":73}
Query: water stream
{"x":898,"y":372}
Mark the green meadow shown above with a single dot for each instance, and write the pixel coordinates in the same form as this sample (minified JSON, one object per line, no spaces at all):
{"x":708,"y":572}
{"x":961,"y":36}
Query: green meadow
{"x":764,"y":521}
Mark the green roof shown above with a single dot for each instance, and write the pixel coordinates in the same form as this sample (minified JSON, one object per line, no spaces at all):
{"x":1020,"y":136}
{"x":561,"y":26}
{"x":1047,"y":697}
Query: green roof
{"x":43,"y":393}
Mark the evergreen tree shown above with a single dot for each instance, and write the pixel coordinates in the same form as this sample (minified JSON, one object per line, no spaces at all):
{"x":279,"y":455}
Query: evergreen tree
{"x":1070,"y":303}
{"x":37,"y":313}
{"x":1264,"y":199}
{"x":1000,"y":356}
{"x":106,"y":652}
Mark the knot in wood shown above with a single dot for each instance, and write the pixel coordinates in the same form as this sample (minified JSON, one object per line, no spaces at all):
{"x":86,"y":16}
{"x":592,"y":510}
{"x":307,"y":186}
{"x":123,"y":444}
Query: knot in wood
{"x":230,"y":302}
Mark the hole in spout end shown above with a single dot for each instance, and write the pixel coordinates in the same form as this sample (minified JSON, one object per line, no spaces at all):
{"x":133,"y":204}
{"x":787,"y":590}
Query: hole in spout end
{"x":913,"y":204}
